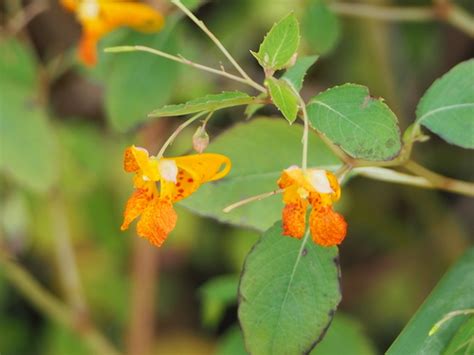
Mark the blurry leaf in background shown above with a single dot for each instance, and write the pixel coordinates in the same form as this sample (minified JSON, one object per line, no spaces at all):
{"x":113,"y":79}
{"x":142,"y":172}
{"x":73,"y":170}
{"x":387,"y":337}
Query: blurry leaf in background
{"x":283,"y":97}
{"x":60,"y":340}
{"x":14,"y":219}
{"x":320,"y":27}
{"x":363,"y":126}
{"x":462,"y":342}
{"x":453,"y":292}
{"x":280,"y":44}
{"x":295,"y":75}
{"x":447,"y":107}
{"x":216,"y":295}
{"x":249,"y":147}
{"x":288,"y":293}
{"x":28,"y":149}
{"x":207,"y":103}
{"x":136,"y":83}
{"x":231,"y":343}
{"x":344,"y":336}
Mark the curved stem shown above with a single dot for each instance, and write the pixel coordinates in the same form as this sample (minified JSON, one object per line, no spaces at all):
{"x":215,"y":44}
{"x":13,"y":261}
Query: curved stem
{"x":178,"y":130}
{"x":219,"y":45}
{"x":53,"y":308}
{"x":439,"y":181}
{"x":182,"y":60}
{"x":251,"y":199}
{"x":462,"y":312}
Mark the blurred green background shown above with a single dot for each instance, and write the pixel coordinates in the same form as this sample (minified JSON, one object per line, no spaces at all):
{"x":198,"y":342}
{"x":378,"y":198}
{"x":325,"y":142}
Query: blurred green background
{"x":63,"y":131}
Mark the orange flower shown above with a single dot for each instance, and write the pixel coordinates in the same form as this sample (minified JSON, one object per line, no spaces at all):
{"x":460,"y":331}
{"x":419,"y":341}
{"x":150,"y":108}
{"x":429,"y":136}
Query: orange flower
{"x":320,"y":189}
{"x":99,"y":17}
{"x":177,"y":178}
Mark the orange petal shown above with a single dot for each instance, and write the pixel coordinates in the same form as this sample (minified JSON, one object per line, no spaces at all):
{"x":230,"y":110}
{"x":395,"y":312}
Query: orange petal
{"x":328,"y":228}
{"x":70,"y":5}
{"x":205,"y":167}
{"x":130,"y":164}
{"x":141,"y":17}
{"x":157,"y":221}
{"x":294,"y":219}
{"x":136,"y":204}
{"x":88,"y":49}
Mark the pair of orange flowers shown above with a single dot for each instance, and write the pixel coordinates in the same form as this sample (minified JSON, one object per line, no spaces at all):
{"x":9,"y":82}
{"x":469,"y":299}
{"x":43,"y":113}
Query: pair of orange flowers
{"x":179,"y":177}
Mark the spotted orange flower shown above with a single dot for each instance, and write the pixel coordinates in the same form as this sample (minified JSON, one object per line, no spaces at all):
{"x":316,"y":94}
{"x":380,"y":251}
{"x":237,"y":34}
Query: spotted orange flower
{"x":99,"y":17}
{"x":161,"y":182}
{"x":316,"y":188}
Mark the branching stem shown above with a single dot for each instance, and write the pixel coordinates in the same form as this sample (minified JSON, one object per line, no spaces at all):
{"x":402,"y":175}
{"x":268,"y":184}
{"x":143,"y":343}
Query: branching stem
{"x":251,"y":199}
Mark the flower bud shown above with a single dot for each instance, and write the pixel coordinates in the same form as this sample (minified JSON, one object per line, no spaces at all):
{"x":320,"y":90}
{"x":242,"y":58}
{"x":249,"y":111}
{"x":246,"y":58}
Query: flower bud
{"x":200,"y":139}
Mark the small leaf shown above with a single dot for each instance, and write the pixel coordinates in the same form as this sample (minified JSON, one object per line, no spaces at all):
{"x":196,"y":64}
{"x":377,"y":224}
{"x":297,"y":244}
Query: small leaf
{"x":217,"y":294}
{"x":447,"y":107}
{"x":206,"y":103}
{"x":280,"y":44}
{"x":295,"y":75}
{"x":283,"y":97}
{"x":248,"y":145}
{"x":320,"y":27}
{"x":137,"y":82}
{"x":288,"y":293}
{"x":364,"y":127}
{"x":454,"y":292}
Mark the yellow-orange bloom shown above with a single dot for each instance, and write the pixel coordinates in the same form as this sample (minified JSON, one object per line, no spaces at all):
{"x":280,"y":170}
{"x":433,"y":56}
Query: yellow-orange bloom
{"x":99,"y":17}
{"x":320,"y":189}
{"x":161,"y":182}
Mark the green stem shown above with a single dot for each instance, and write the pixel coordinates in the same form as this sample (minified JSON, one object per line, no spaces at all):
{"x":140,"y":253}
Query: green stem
{"x":219,"y":45}
{"x":462,"y":312}
{"x":53,"y":308}
{"x":439,"y":181}
{"x":178,"y":130}
{"x":182,"y":60}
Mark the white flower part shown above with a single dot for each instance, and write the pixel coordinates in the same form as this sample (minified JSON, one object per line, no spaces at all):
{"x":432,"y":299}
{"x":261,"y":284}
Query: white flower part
{"x":141,"y":149}
{"x":89,"y":9}
{"x":319,"y":180}
{"x":145,"y":178}
{"x":168,"y":170}
{"x":293,"y":167}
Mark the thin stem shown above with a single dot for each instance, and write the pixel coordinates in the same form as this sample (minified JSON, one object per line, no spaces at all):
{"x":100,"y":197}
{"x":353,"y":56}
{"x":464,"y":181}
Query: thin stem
{"x":251,"y":199}
{"x":178,"y":130}
{"x":304,"y":160}
{"x":439,"y":181}
{"x":214,"y":39}
{"x":386,"y":13}
{"x":462,"y":312}
{"x":342,"y":172}
{"x":182,"y":60}
{"x":461,"y":19}
{"x":52,"y":307}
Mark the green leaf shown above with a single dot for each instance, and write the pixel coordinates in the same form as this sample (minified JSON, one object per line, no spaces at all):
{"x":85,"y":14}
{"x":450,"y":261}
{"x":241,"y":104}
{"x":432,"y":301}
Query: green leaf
{"x":231,"y":343}
{"x":283,"y":97}
{"x":453,"y":292}
{"x":138,"y":82}
{"x":364,"y":127}
{"x":217,"y":294}
{"x":320,"y":27}
{"x":344,"y":336}
{"x":28,"y":149}
{"x":251,"y":109}
{"x":206,"y":103}
{"x":462,"y":342}
{"x":447,"y":107}
{"x":249,"y":145}
{"x":288,"y":293}
{"x":280,"y":44}
{"x":295,"y":75}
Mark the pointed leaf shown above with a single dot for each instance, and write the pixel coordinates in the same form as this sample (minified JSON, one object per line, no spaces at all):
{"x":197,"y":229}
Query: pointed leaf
{"x":454,"y":292}
{"x":283,"y":97}
{"x":206,"y":103}
{"x":295,"y":75}
{"x":249,"y":146}
{"x":364,"y":127}
{"x":280,"y":44}
{"x":447,"y":107}
{"x":288,"y":293}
